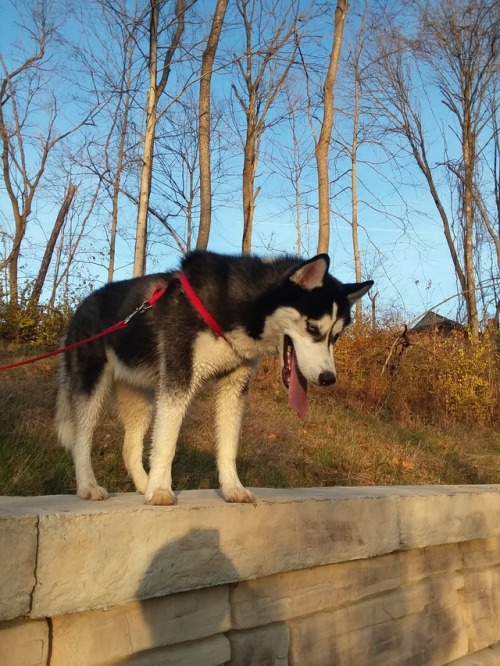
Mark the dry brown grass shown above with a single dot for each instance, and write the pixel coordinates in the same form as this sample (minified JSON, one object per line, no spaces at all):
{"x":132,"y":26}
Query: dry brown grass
{"x":400,"y":427}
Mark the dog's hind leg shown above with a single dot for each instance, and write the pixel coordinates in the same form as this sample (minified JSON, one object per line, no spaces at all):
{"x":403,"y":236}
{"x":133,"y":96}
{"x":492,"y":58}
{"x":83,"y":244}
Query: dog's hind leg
{"x":76,"y":418}
{"x":85,"y":409}
{"x":230,"y":404}
{"x":135,"y":409}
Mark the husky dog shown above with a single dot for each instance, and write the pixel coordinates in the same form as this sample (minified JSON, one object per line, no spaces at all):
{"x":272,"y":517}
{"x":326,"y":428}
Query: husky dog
{"x":167,"y":352}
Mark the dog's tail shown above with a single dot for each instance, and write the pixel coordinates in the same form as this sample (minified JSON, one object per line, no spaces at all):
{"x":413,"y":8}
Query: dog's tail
{"x":64,"y":422}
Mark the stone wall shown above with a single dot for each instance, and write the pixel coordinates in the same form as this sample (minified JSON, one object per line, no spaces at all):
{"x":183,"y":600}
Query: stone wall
{"x":330,"y":576}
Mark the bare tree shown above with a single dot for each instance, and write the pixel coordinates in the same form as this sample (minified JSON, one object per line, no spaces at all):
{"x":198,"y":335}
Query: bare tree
{"x":323,"y":142}
{"x":24,"y":92}
{"x":120,"y":123}
{"x":295,"y":174}
{"x":290,"y":162}
{"x":263,"y":69}
{"x":204,"y":125}
{"x":39,"y":282}
{"x":70,"y":240}
{"x":356,"y":112}
{"x":356,"y":56}
{"x":112,"y":68}
{"x":177,"y":187}
{"x":155,"y":90}
{"x":456,"y":50}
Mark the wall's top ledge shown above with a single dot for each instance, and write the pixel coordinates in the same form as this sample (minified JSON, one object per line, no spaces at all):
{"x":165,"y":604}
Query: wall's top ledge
{"x":79,"y":555}
{"x":199,"y":499}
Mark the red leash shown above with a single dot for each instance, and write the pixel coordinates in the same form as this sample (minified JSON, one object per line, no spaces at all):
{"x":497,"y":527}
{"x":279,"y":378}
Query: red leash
{"x":157,"y":293}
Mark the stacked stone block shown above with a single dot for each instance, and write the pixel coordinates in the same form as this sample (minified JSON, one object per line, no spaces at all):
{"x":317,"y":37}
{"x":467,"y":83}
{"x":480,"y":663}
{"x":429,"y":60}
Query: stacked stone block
{"x":354,"y":577}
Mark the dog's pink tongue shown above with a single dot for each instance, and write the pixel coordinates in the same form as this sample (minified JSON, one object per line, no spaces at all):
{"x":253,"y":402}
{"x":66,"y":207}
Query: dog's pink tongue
{"x":297,"y":389}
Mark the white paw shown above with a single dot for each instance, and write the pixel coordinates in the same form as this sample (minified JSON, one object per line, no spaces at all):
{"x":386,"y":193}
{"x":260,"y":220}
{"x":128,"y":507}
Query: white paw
{"x":160,"y":497}
{"x":238,"y":494}
{"x":92,"y":493}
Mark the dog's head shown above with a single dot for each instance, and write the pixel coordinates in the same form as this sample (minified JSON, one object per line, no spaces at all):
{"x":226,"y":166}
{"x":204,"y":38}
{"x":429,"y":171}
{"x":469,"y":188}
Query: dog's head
{"x":318,"y":310}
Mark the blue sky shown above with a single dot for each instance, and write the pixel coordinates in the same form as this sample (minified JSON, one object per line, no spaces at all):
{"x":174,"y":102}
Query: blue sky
{"x":412,"y":267}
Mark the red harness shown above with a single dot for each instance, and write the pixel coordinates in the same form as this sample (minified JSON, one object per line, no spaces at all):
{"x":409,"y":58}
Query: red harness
{"x":157,"y":293}
{"x":200,"y":308}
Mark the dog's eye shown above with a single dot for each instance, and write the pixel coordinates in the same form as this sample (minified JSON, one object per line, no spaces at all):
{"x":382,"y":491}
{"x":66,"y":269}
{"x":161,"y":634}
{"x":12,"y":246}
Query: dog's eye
{"x":312,"y":328}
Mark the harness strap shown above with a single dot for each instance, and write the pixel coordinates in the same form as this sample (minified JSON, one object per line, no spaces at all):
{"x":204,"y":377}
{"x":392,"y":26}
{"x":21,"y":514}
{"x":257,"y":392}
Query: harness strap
{"x":200,"y":308}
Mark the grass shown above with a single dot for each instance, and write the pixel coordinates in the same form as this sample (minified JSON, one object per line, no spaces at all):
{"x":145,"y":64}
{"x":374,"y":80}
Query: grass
{"x":342,"y":441}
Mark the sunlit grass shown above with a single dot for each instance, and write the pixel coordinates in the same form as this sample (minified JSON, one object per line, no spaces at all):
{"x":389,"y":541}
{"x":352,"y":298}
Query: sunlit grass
{"x":342,"y":441}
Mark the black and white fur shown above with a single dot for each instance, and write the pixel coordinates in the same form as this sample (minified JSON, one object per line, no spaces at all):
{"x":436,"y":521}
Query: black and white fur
{"x":156,"y":364}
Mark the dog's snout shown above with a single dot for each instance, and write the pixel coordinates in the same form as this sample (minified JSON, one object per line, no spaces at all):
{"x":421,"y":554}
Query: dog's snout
{"x":326,"y":378}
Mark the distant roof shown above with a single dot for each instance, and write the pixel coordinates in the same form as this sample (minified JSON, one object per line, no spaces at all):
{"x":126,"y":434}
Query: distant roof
{"x":432,"y":320}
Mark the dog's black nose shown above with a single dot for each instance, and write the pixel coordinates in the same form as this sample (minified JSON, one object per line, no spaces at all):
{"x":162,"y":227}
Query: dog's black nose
{"x":327,"y":378}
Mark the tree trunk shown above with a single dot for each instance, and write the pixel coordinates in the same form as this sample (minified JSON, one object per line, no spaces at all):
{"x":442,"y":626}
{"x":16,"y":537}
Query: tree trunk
{"x":204,"y":125}
{"x":120,"y":160}
{"x":263,"y":73}
{"x":296,"y":187}
{"x":116,"y":192}
{"x":148,"y":151}
{"x":468,"y":223}
{"x":51,"y":243}
{"x":249,"y":165}
{"x":354,"y":191}
{"x":154,"y":92}
{"x":323,"y":144}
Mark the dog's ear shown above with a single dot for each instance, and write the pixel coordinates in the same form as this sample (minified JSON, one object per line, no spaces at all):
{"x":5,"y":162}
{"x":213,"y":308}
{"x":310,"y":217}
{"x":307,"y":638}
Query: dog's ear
{"x":311,"y":273}
{"x":356,"y":290}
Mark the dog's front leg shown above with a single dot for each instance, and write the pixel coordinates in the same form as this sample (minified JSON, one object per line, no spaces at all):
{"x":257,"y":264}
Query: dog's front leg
{"x":231,"y":398}
{"x":170,"y":411}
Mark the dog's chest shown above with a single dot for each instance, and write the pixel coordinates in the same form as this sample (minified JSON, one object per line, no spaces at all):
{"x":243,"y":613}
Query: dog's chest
{"x":213,"y":356}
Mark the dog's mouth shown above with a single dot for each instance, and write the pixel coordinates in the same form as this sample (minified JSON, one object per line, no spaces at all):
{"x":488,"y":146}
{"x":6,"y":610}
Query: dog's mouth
{"x":293,"y":379}
{"x":286,"y":370}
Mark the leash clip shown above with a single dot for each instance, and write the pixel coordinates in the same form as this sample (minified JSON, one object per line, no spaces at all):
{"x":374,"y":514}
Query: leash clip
{"x":147,"y":305}
{"x":142,"y":308}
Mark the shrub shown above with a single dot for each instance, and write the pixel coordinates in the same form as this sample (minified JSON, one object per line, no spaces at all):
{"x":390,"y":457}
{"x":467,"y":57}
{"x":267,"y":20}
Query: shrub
{"x":466,"y":380}
{"x":426,"y":377}
{"x":40,"y":324}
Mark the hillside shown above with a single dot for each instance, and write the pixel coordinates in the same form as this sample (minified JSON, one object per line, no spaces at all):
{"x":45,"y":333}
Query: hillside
{"x":432,"y":417}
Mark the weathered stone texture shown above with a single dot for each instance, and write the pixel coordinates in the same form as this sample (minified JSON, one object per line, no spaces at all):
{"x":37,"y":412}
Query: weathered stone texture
{"x":481,"y":553}
{"x":24,"y":643}
{"x":417,"y":626}
{"x":265,"y":646}
{"x":292,"y":535}
{"x":448,"y":515}
{"x":297,"y":593}
{"x":480,"y":612}
{"x":490,"y":656}
{"x":18,"y":547}
{"x":429,"y":561}
{"x":94,"y":637}
{"x":213,"y":651}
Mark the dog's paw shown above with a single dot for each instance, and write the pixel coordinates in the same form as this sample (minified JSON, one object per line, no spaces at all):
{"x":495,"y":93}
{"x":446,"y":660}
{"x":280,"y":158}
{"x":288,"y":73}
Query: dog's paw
{"x":96,"y":493}
{"x":160,"y":497}
{"x":238,"y":494}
